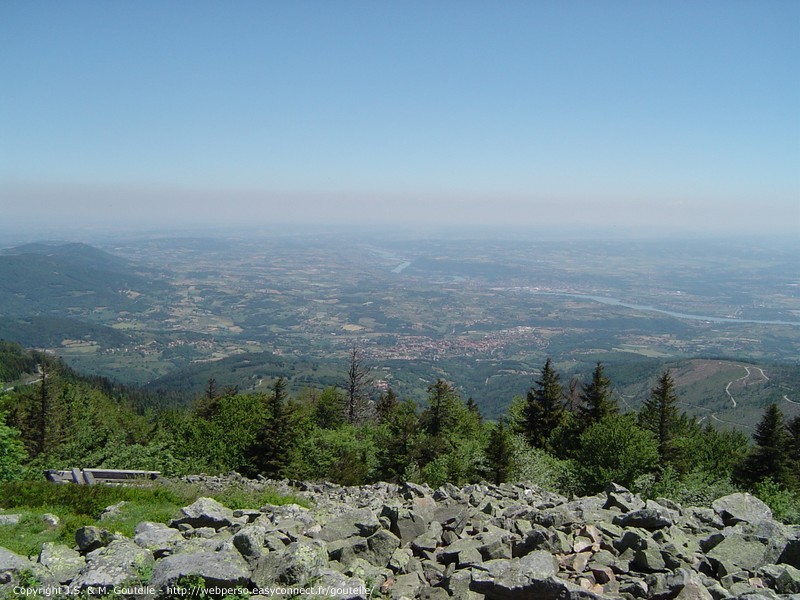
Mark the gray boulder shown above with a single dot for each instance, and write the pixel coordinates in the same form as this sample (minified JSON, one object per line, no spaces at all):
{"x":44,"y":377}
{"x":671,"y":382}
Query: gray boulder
{"x":10,"y":519}
{"x":406,"y":524}
{"x":300,"y":563}
{"x":737,"y":553}
{"x":223,"y":569}
{"x":120,"y":562}
{"x":62,"y":562}
{"x":741,"y":508}
{"x":250,"y":541}
{"x":784,"y":579}
{"x":13,"y":563}
{"x":206,"y":512}
{"x":90,"y":538}
{"x":652,"y":516}
{"x":362,"y":522}
{"x":622,"y":499}
{"x":349,"y":588}
{"x":157,"y":537}
{"x":532,"y":576}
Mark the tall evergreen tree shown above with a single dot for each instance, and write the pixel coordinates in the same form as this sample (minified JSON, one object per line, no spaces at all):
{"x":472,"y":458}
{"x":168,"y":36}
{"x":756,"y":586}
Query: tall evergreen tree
{"x":328,"y":409}
{"x":442,"y":404}
{"x":44,"y":413}
{"x":544,"y":408}
{"x":770,"y":458}
{"x":398,"y":449}
{"x":793,"y":429}
{"x":387,"y":402}
{"x":270,"y":451}
{"x":499,"y":453}
{"x":596,"y":399}
{"x":659,"y":414}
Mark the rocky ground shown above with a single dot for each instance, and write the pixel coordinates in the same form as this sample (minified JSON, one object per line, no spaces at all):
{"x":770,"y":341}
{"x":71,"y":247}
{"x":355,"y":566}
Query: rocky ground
{"x":409,"y":541}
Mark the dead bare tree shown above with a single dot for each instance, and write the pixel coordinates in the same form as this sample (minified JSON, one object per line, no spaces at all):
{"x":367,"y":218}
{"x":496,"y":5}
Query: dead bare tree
{"x":357,"y":399}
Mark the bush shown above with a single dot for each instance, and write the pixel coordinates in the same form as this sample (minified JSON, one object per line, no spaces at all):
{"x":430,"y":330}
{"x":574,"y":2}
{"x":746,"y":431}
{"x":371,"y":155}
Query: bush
{"x":12,"y":452}
{"x":538,"y":467}
{"x":697,"y":488}
{"x":785,"y":504}
{"x":615,"y":450}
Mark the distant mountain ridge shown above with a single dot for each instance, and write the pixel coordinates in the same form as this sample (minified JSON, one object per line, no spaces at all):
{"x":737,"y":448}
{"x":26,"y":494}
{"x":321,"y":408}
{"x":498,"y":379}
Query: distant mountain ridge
{"x":44,"y":279}
{"x":76,"y":253}
{"x":50,"y":292}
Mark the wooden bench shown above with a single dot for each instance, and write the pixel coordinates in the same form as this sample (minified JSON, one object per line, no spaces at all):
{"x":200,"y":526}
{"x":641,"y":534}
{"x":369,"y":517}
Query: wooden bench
{"x":104,"y":476}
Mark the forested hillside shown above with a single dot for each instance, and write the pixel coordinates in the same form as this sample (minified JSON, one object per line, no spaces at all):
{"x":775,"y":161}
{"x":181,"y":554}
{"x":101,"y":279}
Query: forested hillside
{"x":570,"y":437}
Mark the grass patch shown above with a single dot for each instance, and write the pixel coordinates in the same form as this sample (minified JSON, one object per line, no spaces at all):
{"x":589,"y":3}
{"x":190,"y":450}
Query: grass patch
{"x":79,"y":505}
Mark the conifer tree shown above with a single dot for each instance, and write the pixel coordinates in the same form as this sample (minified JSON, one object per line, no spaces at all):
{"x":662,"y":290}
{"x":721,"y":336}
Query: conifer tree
{"x":328,"y":408}
{"x":544,"y":408}
{"x":659,"y":414}
{"x":442,"y":404}
{"x":270,"y":451}
{"x":793,"y":429}
{"x":499,"y":453}
{"x":387,"y":402}
{"x":596,"y":399}
{"x":398,"y":450}
{"x":770,"y":457}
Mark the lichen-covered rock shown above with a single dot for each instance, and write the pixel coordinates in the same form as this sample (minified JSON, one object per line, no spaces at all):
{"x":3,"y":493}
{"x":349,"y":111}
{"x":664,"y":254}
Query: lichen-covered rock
{"x":300,"y":563}
{"x":652,"y":516}
{"x":206,"y":512}
{"x":62,"y":562}
{"x":532,"y":576}
{"x":361,"y":522}
{"x":737,"y":553}
{"x":225,"y":569}
{"x":784,"y":579}
{"x":120,"y":562}
{"x":157,"y":538}
{"x":741,"y":508}
{"x":91,"y":538}
{"x":13,"y":563}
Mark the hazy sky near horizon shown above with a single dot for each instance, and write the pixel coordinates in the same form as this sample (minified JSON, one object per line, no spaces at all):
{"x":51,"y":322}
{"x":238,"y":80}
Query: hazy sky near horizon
{"x":656,"y":116}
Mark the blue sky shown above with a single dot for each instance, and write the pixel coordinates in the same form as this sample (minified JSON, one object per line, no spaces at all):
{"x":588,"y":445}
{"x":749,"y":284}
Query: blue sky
{"x":662,"y":116}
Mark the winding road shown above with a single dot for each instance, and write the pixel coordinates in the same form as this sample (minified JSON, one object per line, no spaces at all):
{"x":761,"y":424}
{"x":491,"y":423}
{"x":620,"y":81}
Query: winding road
{"x":745,"y":378}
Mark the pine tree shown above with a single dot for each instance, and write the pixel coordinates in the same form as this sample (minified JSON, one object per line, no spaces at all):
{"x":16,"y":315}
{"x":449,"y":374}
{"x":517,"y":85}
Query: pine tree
{"x":442,"y":403}
{"x":387,"y":402}
{"x":211,"y":388}
{"x":544,"y":408}
{"x":43,"y":414}
{"x":499,"y":453}
{"x":793,"y":429}
{"x":596,"y":399}
{"x":770,"y":458}
{"x":398,"y":450}
{"x":270,"y":451}
{"x":659,"y":414}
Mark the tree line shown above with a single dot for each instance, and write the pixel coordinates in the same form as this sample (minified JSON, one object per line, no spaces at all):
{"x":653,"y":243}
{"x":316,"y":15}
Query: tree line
{"x":573,"y":438}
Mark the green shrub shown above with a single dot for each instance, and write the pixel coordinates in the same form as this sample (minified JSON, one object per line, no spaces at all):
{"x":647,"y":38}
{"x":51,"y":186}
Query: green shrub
{"x":12,"y":452}
{"x":536,"y":466}
{"x":785,"y":504}
{"x":616,"y":450}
